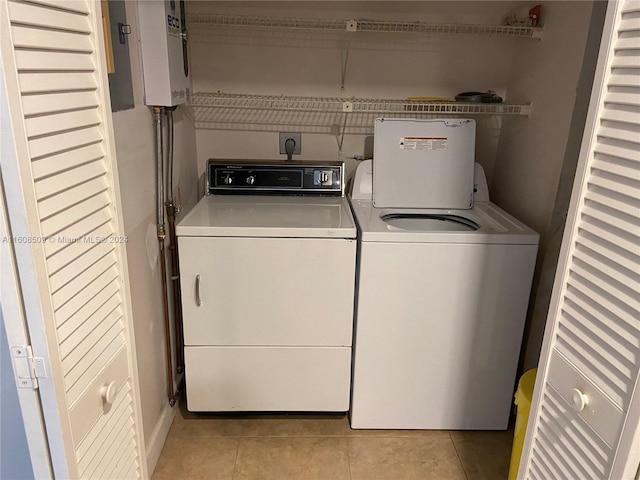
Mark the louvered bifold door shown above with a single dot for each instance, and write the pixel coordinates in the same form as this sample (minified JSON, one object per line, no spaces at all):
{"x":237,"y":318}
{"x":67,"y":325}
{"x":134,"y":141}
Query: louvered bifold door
{"x":585,"y":414}
{"x":53,"y":62}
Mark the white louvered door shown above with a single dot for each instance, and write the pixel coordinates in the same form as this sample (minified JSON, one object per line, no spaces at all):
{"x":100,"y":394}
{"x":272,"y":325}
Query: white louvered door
{"x":71,"y":256}
{"x":585,"y":417}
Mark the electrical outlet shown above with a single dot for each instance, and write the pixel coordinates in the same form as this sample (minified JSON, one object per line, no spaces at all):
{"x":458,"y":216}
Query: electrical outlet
{"x":297,"y":137}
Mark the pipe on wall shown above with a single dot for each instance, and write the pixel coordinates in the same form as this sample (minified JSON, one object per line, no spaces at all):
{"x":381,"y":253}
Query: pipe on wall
{"x":158,"y":115}
{"x":172,"y":211}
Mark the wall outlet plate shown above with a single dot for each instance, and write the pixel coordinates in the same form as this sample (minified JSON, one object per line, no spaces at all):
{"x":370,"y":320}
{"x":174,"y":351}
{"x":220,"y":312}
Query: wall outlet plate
{"x":296,"y":136}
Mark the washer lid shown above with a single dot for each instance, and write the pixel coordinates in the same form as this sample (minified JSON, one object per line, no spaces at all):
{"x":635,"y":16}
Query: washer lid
{"x":269,"y":216}
{"x":494,"y":225}
{"x":423,"y":163}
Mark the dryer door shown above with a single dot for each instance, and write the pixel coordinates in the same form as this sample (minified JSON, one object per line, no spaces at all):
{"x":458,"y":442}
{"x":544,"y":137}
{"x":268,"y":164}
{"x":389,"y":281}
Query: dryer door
{"x":267,"y":291}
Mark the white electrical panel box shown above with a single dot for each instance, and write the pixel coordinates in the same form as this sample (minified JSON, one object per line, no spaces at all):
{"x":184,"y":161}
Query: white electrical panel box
{"x":163,"y":45}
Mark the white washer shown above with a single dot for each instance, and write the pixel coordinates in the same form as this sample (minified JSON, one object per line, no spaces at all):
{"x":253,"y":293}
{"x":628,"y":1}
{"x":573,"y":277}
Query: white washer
{"x":268,"y":289}
{"x":440,"y":313}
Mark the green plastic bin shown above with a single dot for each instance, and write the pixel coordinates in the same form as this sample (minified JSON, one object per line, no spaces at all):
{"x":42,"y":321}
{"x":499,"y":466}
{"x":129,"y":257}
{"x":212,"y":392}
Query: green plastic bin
{"x":523,"y":397}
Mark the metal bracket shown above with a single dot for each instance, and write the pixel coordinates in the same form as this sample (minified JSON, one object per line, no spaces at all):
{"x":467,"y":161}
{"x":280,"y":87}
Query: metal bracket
{"x":123,"y":31}
{"x":27,"y":368}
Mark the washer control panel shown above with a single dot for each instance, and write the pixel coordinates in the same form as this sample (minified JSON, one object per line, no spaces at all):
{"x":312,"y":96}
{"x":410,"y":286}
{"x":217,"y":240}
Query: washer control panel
{"x":275,"y":177}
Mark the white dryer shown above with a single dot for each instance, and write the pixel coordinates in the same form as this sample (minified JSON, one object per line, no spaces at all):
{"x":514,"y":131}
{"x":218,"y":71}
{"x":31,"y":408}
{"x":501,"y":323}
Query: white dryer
{"x":267,"y":265}
{"x":441,"y":303}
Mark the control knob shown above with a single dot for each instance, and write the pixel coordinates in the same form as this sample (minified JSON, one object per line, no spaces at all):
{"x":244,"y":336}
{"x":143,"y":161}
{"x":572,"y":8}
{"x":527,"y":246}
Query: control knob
{"x":251,"y":179}
{"x":228,"y":179}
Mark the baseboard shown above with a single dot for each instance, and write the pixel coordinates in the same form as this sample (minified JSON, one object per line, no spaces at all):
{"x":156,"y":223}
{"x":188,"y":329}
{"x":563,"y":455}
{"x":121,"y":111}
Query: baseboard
{"x":158,"y":436}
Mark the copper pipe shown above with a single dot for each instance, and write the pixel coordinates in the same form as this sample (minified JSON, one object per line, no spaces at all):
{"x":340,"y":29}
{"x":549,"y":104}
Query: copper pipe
{"x":175,"y":282}
{"x":160,"y":226}
{"x":167,"y":329}
{"x":173,"y":247}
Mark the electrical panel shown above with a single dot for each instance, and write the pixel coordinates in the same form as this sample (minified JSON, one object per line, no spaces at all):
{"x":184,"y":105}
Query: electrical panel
{"x":164,"y":49}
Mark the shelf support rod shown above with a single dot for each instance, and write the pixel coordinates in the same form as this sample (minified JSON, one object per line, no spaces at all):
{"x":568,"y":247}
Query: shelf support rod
{"x":345,"y":61}
{"x":347,"y":107}
{"x":352,"y":26}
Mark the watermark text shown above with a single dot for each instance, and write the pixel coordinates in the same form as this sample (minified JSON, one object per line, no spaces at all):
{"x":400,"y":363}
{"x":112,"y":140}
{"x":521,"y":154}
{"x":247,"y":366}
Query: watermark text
{"x":62,"y":239}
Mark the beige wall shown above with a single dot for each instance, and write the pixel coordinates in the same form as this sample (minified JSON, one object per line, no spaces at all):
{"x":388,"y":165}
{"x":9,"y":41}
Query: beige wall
{"x":135,"y":148}
{"x":380,"y":66}
{"x":532,"y":150}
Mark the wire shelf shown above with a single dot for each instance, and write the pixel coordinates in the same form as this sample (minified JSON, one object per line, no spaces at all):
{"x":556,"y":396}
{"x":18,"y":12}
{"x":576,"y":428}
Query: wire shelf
{"x":218,"y":20}
{"x":362,"y":25}
{"x":323,"y":114}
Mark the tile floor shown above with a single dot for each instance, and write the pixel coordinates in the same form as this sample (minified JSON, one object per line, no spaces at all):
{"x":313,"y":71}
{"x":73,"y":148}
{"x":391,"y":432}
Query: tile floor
{"x":314,"y":447}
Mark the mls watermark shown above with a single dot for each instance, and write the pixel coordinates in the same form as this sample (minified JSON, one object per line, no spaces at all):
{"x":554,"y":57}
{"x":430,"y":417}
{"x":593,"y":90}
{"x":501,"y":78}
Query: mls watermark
{"x":61,"y":239}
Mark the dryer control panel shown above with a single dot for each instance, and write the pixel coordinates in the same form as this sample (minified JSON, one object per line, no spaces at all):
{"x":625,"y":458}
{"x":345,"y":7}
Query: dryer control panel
{"x":274,"y":177}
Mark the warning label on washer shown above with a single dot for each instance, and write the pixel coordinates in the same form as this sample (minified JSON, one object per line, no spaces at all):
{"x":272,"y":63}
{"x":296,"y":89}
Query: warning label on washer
{"x":423,"y":143}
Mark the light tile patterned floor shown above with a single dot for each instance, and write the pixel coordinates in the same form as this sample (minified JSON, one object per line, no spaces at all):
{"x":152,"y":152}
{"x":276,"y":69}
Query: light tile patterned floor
{"x":314,"y":447}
